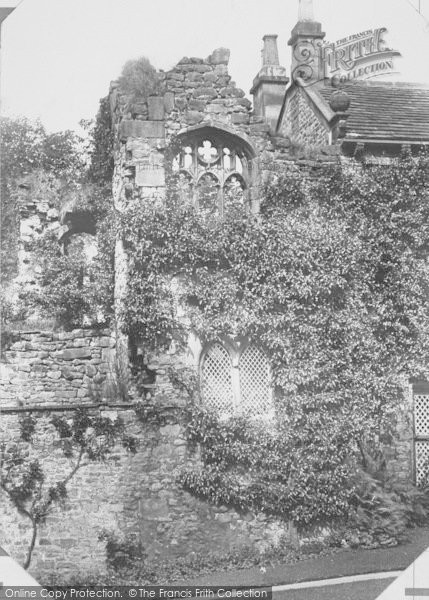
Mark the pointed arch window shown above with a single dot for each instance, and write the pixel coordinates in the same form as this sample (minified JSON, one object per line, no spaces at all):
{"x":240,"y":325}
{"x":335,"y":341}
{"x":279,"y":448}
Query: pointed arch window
{"x":208,"y":156}
{"x":208,"y":197}
{"x":237,"y":382}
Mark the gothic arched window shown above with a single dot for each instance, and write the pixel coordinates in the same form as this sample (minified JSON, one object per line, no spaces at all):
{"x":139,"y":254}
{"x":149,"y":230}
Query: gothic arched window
{"x":215,"y":167}
{"x":208,"y":199}
{"x":237,"y":382}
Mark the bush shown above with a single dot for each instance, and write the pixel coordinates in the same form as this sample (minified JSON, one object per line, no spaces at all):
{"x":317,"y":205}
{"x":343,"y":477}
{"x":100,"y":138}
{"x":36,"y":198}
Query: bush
{"x":139,"y":79}
{"x":123,"y":553}
{"x":128,"y":565}
{"x":382,"y":515}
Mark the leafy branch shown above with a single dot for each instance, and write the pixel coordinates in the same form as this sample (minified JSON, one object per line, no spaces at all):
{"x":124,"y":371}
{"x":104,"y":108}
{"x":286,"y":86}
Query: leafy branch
{"x":83,"y":438}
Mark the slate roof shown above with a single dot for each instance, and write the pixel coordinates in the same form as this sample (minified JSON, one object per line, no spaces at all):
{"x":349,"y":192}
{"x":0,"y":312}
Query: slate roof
{"x":385,"y":111}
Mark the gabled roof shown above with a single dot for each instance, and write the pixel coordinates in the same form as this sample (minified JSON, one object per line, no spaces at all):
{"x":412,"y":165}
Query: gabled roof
{"x":384,"y":111}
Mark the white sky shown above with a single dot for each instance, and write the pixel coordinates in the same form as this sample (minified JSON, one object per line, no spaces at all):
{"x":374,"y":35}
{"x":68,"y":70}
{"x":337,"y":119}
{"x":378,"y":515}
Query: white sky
{"x":58,"y":56}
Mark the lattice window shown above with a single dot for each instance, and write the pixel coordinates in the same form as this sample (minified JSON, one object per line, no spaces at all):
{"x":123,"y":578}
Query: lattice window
{"x":422,"y":462}
{"x":217,"y":380}
{"x":255,"y":389}
{"x":421,"y":415}
{"x":421,"y":430}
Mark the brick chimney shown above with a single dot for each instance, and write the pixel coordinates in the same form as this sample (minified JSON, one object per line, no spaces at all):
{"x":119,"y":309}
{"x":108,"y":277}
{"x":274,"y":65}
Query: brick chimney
{"x":270,"y":83}
{"x":306,"y":39}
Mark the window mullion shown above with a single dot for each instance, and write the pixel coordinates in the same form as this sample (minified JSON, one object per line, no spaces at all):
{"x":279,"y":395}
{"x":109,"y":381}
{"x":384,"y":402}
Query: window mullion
{"x":236,"y":388}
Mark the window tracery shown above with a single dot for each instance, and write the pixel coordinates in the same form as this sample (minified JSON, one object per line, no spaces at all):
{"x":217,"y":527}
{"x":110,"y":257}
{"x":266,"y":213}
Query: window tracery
{"x":213,"y":173}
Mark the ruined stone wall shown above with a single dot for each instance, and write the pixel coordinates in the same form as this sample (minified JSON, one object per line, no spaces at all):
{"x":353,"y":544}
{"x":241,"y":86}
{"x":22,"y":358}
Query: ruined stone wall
{"x":131,"y":494}
{"x":197,"y":92}
{"x":37,"y":198}
{"x":50,"y":368}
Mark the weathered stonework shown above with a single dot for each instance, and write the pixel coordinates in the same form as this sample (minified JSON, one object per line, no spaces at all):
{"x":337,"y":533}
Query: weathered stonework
{"x":301,"y":124}
{"x":46,"y":368}
{"x":135,"y":494}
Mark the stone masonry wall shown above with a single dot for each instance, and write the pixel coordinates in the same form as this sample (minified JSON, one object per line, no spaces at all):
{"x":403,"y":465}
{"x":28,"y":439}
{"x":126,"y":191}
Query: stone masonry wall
{"x":301,"y":124}
{"x":197,"y":93}
{"x":130,"y":494}
{"x":47,"y":368}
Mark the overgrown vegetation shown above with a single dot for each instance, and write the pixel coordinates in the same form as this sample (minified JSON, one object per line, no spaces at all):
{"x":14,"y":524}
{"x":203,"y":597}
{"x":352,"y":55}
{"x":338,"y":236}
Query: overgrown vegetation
{"x":27,"y":151}
{"x":74,"y":286}
{"x":129,"y":565}
{"x":74,"y":175}
{"x":139,"y":80}
{"x":331,"y":281}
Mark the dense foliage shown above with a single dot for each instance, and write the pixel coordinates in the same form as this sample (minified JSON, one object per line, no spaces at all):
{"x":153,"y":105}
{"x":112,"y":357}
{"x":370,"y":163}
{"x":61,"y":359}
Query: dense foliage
{"x":101,"y":166}
{"x":139,"y":79}
{"x":75,"y":288}
{"x":331,"y":280}
{"x":73,"y":175}
{"x":27,"y":150}
{"x":271,"y":469}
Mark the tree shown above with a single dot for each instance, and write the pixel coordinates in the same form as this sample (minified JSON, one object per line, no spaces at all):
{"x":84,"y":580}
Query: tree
{"x":74,"y":175}
{"x":83,"y":438}
{"x":27,"y":150}
{"x":139,"y":79}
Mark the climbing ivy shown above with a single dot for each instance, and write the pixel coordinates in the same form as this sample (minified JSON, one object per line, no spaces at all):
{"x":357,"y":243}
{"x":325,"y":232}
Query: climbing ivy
{"x":29,"y":156}
{"x":331,"y":281}
{"x":101,"y":165}
{"x":299,"y":475}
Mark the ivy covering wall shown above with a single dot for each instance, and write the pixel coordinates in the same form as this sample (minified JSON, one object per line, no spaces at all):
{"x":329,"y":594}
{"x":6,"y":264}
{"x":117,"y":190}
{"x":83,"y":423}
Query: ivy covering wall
{"x":331,"y":281}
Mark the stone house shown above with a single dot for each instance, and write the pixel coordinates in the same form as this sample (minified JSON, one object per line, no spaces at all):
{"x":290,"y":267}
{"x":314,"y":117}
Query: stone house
{"x":232,"y":144}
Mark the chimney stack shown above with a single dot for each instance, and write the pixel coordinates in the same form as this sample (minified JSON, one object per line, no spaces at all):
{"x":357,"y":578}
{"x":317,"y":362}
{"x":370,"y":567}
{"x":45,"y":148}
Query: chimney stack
{"x":306,"y":11}
{"x":306,"y":41}
{"x":269,"y":85}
